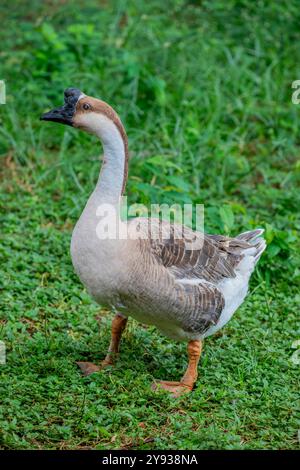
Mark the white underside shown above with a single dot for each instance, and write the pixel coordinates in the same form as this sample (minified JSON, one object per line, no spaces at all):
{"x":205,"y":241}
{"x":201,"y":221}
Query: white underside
{"x":234,"y":290}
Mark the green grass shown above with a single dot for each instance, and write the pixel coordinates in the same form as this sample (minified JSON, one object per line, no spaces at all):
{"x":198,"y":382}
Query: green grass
{"x":204,"y":89}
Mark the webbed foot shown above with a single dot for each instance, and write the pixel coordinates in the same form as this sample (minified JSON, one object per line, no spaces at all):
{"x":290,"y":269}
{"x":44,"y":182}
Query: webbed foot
{"x":176,"y":389}
{"x":88,"y":368}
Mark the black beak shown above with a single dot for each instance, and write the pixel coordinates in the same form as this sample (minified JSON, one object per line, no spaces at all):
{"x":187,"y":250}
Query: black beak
{"x":65,"y":113}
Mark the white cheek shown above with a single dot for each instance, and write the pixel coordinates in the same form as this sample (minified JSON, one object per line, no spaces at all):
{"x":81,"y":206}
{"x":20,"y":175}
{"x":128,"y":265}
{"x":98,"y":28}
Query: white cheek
{"x":87,"y":122}
{"x":100,"y":125}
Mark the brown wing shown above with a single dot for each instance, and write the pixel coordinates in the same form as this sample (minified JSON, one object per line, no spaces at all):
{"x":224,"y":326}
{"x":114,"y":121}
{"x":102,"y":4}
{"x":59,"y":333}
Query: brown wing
{"x":201,"y":305}
{"x":196,"y":270}
{"x":214,"y":260}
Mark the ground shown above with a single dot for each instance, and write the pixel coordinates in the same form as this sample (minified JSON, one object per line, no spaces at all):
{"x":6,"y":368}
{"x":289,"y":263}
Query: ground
{"x":204,"y":89}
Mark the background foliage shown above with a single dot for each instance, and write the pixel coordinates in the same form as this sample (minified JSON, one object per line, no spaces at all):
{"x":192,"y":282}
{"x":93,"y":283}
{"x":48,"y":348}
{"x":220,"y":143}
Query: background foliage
{"x":204,"y":90}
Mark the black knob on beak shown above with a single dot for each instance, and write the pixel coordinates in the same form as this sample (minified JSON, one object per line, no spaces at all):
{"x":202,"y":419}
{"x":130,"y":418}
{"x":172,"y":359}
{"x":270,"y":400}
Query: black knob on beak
{"x":72,"y":93}
{"x":65,"y":113}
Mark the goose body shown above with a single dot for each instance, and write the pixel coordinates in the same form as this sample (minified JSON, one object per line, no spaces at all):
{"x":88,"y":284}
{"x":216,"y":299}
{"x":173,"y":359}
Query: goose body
{"x":184,"y":300}
{"x":187,"y":291}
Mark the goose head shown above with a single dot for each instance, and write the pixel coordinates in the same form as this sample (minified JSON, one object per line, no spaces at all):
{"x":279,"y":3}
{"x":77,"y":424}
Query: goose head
{"x":86,"y":113}
{"x":97,"y":117}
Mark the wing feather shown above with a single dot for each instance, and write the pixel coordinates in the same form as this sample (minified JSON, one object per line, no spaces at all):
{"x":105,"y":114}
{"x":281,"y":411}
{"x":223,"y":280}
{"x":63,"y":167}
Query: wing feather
{"x":196,"y":272}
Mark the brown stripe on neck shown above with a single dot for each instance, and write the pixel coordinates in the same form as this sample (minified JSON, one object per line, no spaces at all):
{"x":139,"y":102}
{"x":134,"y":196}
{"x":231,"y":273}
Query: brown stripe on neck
{"x":102,"y":107}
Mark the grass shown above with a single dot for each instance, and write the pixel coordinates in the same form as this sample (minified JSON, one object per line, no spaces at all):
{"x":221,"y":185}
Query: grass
{"x":204,"y":89}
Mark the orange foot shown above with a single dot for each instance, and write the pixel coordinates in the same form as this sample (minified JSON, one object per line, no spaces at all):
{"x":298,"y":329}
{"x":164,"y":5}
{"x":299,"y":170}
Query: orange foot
{"x":88,"y":368}
{"x":175,"y":388}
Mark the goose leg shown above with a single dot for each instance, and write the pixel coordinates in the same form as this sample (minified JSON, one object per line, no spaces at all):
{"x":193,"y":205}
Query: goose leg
{"x":187,"y":382}
{"x":117,"y":327}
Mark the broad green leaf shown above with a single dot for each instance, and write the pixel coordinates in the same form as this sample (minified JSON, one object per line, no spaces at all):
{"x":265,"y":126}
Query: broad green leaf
{"x":227,"y":217}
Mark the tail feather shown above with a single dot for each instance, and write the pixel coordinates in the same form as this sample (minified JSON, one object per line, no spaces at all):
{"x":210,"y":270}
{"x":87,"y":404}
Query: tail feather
{"x":260,"y":248}
{"x":254,"y":238}
{"x":251,"y":235}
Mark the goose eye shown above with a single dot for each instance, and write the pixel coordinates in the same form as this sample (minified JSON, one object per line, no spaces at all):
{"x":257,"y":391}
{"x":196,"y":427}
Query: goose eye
{"x":86,"y":106}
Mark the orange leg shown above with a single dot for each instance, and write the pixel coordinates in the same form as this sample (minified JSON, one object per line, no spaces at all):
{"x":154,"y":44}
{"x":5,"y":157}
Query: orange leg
{"x":187,"y":382}
{"x":117,"y":327}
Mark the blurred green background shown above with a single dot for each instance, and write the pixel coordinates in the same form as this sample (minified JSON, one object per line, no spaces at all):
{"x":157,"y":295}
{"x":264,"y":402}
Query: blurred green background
{"x":204,"y":91}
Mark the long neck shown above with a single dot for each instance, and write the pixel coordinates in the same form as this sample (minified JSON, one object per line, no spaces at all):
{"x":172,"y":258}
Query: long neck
{"x":113,"y":174}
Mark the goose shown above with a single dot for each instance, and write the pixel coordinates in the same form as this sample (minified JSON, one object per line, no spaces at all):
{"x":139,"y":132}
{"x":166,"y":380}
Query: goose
{"x":187,"y":290}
